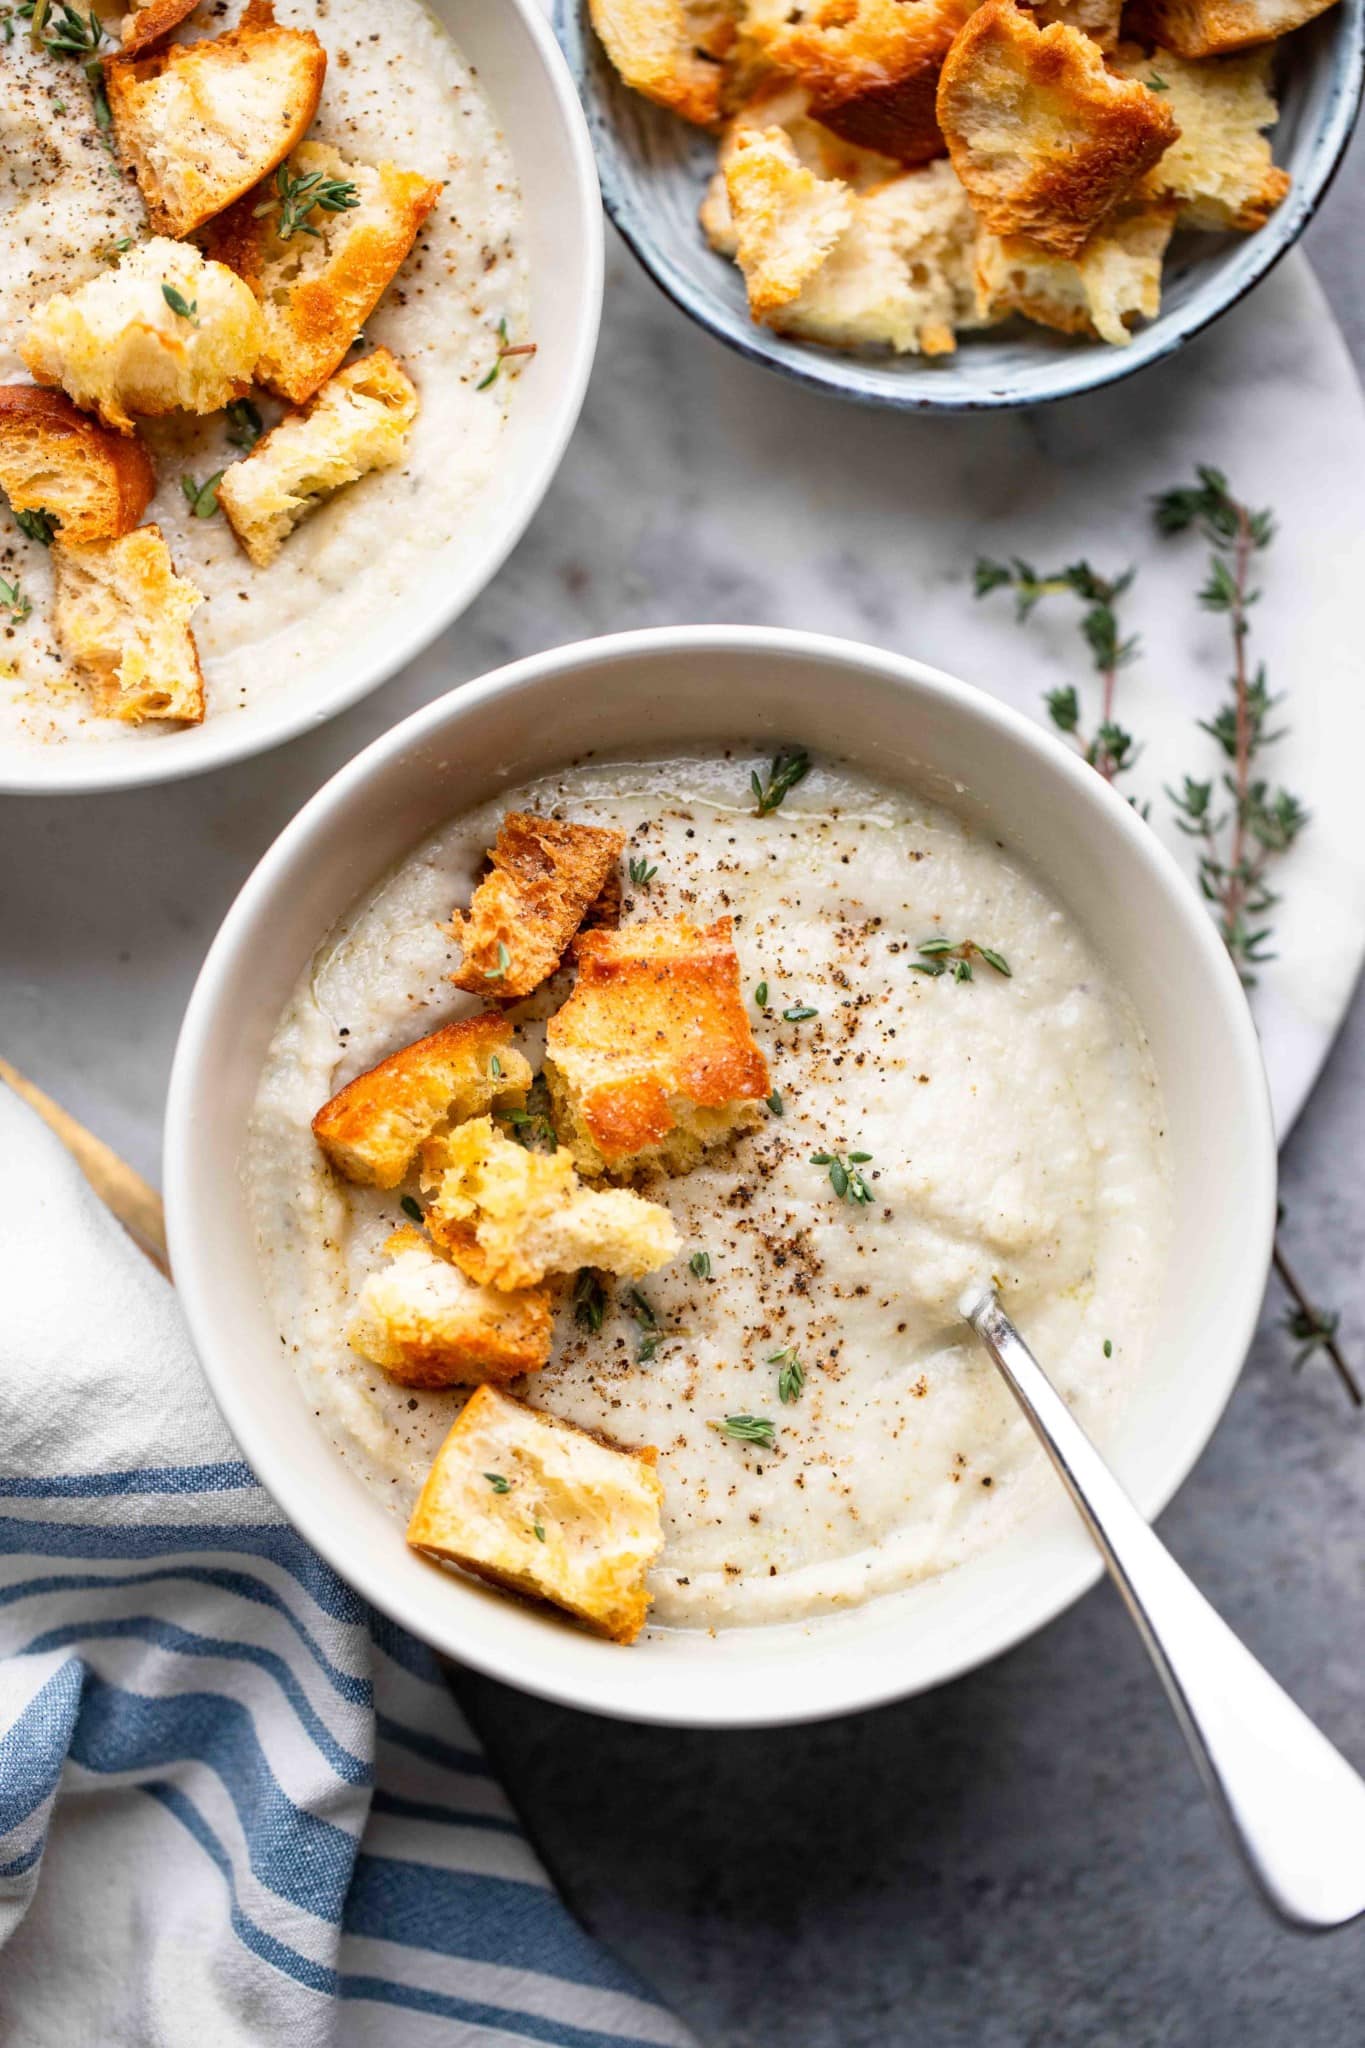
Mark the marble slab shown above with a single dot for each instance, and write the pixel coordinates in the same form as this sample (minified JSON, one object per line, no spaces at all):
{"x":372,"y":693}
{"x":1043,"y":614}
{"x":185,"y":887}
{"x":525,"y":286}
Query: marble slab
{"x":700,"y":488}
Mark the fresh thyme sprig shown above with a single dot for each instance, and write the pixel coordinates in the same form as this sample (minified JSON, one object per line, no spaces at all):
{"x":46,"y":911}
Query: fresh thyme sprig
{"x":296,"y":196}
{"x":1313,"y":1329}
{"x":183,"y":308}
{"x":791,"y":1377}
{"x":13,"y":602}
{"x":589,"y":1300}
{"x":506,"y":348}
{"x":790,"y":766}
{"x":844,"y":1177}
{"x":653,"y":1333}
{"x":748,"y":1429}
{"x":641,"y":871}
{"x":1242,"y":831}
{"x":202,"y":499}
{"x":942,"y":956}
{"x":37,"y":525}
{"x":65,"y":31}
{"x":532,"y":1129}
{"x":1110,"y":748}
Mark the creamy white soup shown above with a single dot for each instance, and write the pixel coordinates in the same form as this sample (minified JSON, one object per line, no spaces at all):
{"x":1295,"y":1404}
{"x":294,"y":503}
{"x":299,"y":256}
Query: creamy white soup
{"x":400,"y":92}
{"x":1013,"y":1126}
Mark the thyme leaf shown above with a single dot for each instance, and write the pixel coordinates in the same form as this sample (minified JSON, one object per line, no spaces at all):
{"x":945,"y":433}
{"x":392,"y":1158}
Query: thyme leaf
{"x":943,"y":956}
{"x":844,"y":1177}
{"x":296,"y":196}
{"x":37,"y":525}
{"x":589,"y":1300}
{"x":245,"y":425}
{"x":641,"y":873}
{"x":183,"y":308}
{"x":792,"y":1376}
{"x":13,"y":601}
{"x":412,"y":1207}
{"x":790,"y":766}
{"x":700,"y":1263}
{"x":202,"y":498}
{"x":498,"y":1483}
{"x":747,"y":1429}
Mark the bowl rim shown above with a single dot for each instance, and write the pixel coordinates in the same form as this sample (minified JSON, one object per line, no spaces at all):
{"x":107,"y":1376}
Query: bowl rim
{"x":1098,"y":367}
{"x":193,"y":1200}
{"x":67,"y":769}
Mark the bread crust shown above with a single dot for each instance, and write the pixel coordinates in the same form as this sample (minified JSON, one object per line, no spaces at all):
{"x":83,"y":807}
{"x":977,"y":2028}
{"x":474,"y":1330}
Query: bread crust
{"x":426,"y":1324}
{"x":144,"y":26}
{"x":1044,"y":138}
{"x":871,"y":68}
{"x":546,"y":875}
{"x":787,"y":220}
{"x":1213,"y":28}
{"x":162,"y":116}
{"x":1221,"y":171}
{"x":1115,"y":279}
{"x":372,"y":1128}
{"x":652,"y":1058}
{"x":316,"y":300}
{"x":671,"y":51}
{"x":121,"y":616}
{"x":573,"y":1520}
{"x":55,"y":458}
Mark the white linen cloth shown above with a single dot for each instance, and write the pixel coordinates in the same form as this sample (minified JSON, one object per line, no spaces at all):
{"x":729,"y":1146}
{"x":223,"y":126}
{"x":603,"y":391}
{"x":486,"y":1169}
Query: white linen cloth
{"x":236,"y":1805}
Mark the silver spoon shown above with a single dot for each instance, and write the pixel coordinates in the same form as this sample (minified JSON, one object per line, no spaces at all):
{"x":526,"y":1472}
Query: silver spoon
{"x":1294,"y":1806}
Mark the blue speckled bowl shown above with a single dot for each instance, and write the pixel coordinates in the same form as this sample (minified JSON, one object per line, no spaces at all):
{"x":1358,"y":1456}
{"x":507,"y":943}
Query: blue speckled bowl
{"x":654,"y":169}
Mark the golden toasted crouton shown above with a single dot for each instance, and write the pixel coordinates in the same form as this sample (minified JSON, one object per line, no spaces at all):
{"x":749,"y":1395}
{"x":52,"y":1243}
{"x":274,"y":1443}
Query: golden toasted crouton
{"x":1045,"y":140}
{"x":1115,"y":279}
{"x":670,"y":50}
{"x":53,"y":458}
{"x":786,"y":219}
{"x":534,"y":1504}
{"x":901,"y":277}
{"x":164,"y":332}
{"x":510,"y":1216}
{"x":358,"y":422}
{"x":201,"y":123}
{"x":1221,"y":169}
{"x":122,"y":618}
{"x":318,"y":288}
{"x":870,"y":66}
{"x":371,"y":1130}
{"x":780,"y":103}
{"x":1098,"y":19}
{"x":148,"y":21}
{"x":545,"y":877}
{"x":1210,"y":28}
{"x":651,"y":1060}
{"x":427,"y":1325}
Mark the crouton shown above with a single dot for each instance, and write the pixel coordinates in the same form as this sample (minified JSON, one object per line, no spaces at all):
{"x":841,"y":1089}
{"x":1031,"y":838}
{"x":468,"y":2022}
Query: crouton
{"x":372,"y":1129}
{"x":652,"y":1060}
{"x":427,"y":1325}
{"x":1115,"y":279}
{"x":901,"y":277}
{"x":359,"y":422}
{"x":319,"y":285}
{"x":201,"y":123}
{"x":870,"y":66}
{"x":163,"y":332}
{"x":781,"y":103}
{"x":150,"y":21}
{"x":545,"y":877}
{"x":1046,"y":141}
{"x":53,"y":458}
{"x":1221,"y":169}
{"x":786,"y":219}
{"x":670,"y":50}
{"x":1212,"y":28}
{"x":509,"y":1216}
{"x":122,"y":618}
{"x":531,"y":1503}
{"x":1098,"y":19}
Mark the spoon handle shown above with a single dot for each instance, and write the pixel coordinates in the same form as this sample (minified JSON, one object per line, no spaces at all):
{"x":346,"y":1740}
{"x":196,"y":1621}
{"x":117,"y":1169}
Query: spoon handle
{"x":1294,"y":1806}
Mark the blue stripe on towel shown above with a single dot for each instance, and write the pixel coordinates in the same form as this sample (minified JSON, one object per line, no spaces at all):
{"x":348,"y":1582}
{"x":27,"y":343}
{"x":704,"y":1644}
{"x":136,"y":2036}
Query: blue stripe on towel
{"x":222,"y":1478}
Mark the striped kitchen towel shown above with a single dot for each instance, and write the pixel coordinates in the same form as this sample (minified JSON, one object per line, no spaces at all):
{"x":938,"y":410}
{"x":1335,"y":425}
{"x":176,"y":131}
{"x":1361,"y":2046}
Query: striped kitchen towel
{"x":236,"y":1806}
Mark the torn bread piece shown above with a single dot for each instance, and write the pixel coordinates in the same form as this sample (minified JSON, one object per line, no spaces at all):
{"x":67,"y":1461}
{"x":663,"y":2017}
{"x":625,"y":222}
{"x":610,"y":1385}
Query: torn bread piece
{"x":165,"y":331}
{"x":1045,"y":139}
{"x":533,"y":1504}
{"x":870,"y":67}
{"x":122,"y":619}
{"x":671,"y":51}
{"x":1221,"y":170}
{"x":54,"y":458}
{"x":201,"y":123}
{"x":372,"y":1129}
{"x":652,"y":1060}
{"x":1212,"y":28}
{"x":902,"y":275}
{"x":509,"y":1216}
{"x":148,"y":22}
{"x":780,"y":103}
{"x":359,"y":422}
{"x":1098,"y":19}
{"x":319,"y":283}
{"x":428,"y":1325}
{"x":546,"y":876}
{"x":1115,"y":280}
{"x":787,"y":220}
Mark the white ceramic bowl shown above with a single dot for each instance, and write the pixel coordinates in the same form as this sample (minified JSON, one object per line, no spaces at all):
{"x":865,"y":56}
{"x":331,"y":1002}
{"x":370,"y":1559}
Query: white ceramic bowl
{"x":521,"y":69}
{"x":898,"y":718}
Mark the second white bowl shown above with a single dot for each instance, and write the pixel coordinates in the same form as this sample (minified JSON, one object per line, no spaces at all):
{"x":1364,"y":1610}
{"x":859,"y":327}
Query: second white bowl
{"x":691,"y":686}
